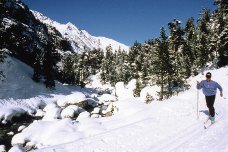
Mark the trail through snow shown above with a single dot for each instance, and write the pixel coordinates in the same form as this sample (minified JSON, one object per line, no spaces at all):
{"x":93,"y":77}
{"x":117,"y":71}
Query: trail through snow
{"x":169,"y":126}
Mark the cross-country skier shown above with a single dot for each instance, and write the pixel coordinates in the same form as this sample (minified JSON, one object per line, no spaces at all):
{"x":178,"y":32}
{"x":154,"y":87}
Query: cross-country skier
{"x":209,"y":90}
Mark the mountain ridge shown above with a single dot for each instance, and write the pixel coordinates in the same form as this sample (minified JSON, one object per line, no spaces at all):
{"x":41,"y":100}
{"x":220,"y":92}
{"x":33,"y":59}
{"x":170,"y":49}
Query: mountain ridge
{"x":80,"y":39}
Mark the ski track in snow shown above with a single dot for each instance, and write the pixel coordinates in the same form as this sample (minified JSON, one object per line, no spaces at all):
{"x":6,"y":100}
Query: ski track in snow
{"x":185,"y":140}
{"x":175,"y":142}
{"x":148,"y":134}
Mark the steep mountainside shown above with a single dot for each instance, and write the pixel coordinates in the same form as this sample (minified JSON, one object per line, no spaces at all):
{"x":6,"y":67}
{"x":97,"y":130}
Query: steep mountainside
{"x":80,"y":39}
{"x":24,"y":35}
{"x":43,"y":43}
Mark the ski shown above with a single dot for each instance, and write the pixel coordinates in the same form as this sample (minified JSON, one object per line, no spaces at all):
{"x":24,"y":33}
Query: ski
{"x":208,"y":123}
{"x":206,"y":126}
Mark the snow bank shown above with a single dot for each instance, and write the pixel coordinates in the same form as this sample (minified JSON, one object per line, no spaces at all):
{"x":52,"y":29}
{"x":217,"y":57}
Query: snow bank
{"x":107,"y":98}
{"x":17,"y":148}
{"x":7,"y":113}
{"x":131,"y":85}
{"x":41,"y":132}
{"x":149,"y":90}
{"x":122,"y":92}
{"x":46,"y":133}
{"x":19,"y":94}
{"x":10,"y":108}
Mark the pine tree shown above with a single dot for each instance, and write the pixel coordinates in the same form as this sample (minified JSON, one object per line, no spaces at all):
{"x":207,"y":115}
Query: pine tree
{"x":83,"y":69}
{"x":134,"y":52}
{"x":106,"y":65}
{"x":221,"y":32}
{"x":76,"y":69}
{"x":146,"y":63}
{"x":127,"y":76}
{"x":176,"y":42}
{"x":68,"y":71}
{"x":149,"y":49}
{"x":37,"y":70}
{"x":162,"y":63}
{"x":204,"y":53}
{"x":189,"y":50}
{"x":145,"y":71}
{"x":149,"y":98}
{"x":137,"y":89}
{"x":133,"y":59}
{"x":95,"y":60}
{"x":48,"y":64}
{"x":113,"y":76}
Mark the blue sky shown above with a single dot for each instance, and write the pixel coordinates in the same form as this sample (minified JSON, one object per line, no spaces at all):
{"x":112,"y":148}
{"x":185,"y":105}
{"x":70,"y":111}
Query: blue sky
{"x":123,"y":20}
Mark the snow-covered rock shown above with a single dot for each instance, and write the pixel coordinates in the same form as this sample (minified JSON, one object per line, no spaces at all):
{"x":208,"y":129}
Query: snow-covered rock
{"x":40,"y":113}
{"x":10,"y":133}
{"x":109,"y":110}
{"x":83,"y":115}
{"x":95,"y":115}
{"x":21,"y":128}
{"x":7,"y":113}
{"x":52,"y":112}
{"x":92,"y":102}
{"x":96,"y":110}
{"x":50,"y":106}
{"x":46,"y":133}
{"x":76,"y":98}
{"x":69,"y":111}
{"x":119,"y":87}
{"x":30,"y":146}
{"x":2,"y":148}
{"x":107,"y":98}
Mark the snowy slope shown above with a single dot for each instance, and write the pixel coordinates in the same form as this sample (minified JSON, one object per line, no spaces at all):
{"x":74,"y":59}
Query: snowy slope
{"x":80,"y":38}
{"x":19,"y":94}
{"x":168,"y":126}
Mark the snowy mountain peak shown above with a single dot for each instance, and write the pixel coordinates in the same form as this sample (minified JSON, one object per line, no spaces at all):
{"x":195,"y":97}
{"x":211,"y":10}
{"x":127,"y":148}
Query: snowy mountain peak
{"x":69,"y":24}
{"x":80,"y":39}
{"x":42,"y":18}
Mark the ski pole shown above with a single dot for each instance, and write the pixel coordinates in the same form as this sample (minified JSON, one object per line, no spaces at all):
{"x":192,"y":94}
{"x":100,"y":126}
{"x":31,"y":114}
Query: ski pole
{"x":197,"y":105}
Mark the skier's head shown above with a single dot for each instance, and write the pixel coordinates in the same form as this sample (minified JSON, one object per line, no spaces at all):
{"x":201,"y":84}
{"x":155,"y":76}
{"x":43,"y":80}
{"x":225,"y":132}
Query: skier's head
{"x":208,"y":75}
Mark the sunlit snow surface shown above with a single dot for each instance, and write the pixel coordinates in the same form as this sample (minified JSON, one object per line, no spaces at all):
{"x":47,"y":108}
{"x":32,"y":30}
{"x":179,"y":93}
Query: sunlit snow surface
{"x":161,"y":126}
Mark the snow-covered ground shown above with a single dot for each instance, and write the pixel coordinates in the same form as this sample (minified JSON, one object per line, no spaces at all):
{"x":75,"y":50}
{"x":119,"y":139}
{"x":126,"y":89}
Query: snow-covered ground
{"x":161,"y":126}
{"x":168,"y":126}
